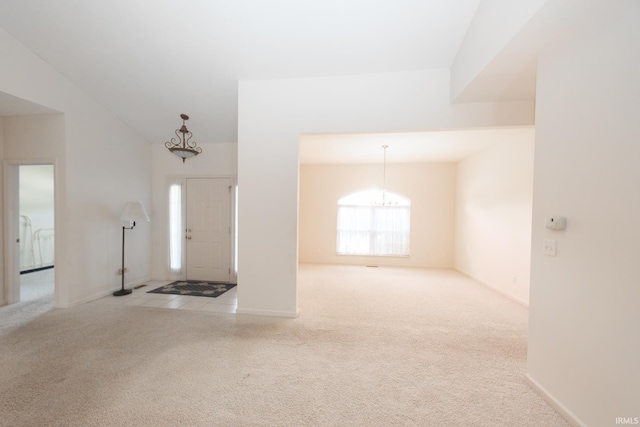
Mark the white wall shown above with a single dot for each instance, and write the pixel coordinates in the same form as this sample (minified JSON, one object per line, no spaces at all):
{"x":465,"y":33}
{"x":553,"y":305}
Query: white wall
{"x":584,"y":342}
{"x":430,"y":186}
{"x":497,"y":59}
{"x":493,"y":215}
{"x":30,"y":139}
{"x":494,"y":24}
{"x":272,"y":115}
{"x":216,"y":160}
{"x":100,"y":165}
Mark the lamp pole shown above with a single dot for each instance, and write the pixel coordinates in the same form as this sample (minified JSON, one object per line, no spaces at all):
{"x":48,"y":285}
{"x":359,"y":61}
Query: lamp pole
{"x":124,"y":291}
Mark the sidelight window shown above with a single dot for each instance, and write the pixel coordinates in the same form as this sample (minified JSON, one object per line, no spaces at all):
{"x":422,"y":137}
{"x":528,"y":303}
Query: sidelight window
{"x":175,"y":228}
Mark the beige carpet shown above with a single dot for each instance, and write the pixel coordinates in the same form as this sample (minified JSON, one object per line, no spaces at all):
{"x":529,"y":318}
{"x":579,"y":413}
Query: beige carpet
{"x":371,"y":347}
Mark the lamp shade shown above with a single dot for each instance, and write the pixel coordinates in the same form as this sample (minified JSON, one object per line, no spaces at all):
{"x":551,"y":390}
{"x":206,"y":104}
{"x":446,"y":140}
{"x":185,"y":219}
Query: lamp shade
{"x":134,"y":211}
{"x":184,"y":153}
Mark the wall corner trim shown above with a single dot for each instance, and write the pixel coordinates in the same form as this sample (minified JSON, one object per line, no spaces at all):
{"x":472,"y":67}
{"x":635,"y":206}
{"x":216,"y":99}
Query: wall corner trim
{"x":102,"y":294}
{"x":493,"y":288}
{"x":555,"y":403}
{"x":272,"y":313}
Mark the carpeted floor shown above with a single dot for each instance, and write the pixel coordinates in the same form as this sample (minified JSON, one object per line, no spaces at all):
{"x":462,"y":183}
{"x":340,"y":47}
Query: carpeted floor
{"x":371,"y":347}
{"x":36,"y":298}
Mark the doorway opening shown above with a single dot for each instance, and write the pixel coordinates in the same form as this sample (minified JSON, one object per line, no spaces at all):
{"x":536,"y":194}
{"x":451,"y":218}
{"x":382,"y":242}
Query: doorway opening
{"x":36,"y":231}
{"x":29,"y":233}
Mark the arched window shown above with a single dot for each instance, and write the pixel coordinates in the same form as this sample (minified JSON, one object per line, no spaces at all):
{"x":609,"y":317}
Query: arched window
{"x":373,"y":222}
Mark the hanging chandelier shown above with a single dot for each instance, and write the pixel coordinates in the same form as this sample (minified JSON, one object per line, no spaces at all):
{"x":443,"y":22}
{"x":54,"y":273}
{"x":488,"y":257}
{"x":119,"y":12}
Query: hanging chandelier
{"x":182,"y":147}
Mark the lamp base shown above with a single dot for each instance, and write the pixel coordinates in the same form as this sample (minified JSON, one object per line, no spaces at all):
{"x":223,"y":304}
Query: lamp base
{"x":121,"y":292}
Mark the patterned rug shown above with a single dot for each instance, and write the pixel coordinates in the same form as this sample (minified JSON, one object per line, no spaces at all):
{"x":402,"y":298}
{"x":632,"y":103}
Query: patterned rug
{"x":195,"y":288}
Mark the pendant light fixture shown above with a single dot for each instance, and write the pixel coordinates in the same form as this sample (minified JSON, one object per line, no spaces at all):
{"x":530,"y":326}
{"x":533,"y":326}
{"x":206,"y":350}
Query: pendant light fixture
{"x":384,"y":165}
{"x":182,"y":147}
{"x":382,"y":200}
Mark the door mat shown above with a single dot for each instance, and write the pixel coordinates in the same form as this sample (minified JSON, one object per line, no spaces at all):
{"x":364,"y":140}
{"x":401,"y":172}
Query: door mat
{"x":194,"y":288}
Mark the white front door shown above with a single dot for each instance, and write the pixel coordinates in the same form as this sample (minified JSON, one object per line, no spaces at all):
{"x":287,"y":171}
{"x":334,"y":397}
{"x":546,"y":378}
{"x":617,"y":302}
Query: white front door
{"x":208,"y":229}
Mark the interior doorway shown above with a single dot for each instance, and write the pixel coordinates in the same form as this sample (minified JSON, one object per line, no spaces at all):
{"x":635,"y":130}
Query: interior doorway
{"x":20,"y":231}
{"x":36,"y":231}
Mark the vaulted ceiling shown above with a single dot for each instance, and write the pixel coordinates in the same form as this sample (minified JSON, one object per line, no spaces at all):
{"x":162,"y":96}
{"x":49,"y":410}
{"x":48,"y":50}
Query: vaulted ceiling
{"x":148,"y":61}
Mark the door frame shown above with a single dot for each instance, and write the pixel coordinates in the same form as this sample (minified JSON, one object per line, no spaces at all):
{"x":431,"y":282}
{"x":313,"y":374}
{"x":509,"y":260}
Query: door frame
{"x":182,"y":180}
{"x":10,"y":291}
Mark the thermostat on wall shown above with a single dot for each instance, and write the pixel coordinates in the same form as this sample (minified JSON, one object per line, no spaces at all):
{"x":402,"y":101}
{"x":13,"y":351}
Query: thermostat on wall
{"x":556,"y":223}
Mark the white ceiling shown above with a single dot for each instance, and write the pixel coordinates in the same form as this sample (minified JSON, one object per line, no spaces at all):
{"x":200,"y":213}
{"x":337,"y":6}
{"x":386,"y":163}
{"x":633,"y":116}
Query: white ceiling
{"x":407,"y":147}
{"x":148,"y":61}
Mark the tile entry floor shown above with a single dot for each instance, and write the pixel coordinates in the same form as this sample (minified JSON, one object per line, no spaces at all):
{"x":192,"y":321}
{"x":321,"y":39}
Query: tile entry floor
{"x":39,"y":286}
{"x":225,"y":303}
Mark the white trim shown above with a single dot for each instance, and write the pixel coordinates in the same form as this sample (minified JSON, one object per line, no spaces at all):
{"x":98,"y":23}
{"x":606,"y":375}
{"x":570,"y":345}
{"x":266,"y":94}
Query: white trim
{"x":178,"y":234}
{"x":234,"y":228}
{"x":272,"y":313}
{"x":182,"y":181}
{"x":494,"y":288}
{"x":555,"y":403}
{"x":11,"y":213}
{"x":10,"y":288}
{"x":105,"y":293}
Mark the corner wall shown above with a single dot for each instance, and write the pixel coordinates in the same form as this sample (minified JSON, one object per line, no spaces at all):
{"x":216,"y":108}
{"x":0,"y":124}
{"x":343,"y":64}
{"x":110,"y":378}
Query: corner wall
{"x":100,"y":165}
{"x":584,"y":344}
{"x":494,"y":25}
{"x":273,"y":114}
{"x":493,"y":215}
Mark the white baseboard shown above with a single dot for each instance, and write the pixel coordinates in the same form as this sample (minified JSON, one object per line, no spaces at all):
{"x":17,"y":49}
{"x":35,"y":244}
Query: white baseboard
{"x":103,"y":294}
{"x":272,"y":313}
{"x":494,"y":288}
{"x":555,"y":403}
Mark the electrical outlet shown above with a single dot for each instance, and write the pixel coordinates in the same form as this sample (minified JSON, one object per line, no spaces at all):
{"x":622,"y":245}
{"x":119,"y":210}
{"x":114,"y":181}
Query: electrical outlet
{"x":119,"y":273}
{"x":549,"y":247}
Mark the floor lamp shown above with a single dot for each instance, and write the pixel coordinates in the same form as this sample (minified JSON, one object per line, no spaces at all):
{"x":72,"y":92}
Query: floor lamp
{"x":132,"y":212}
